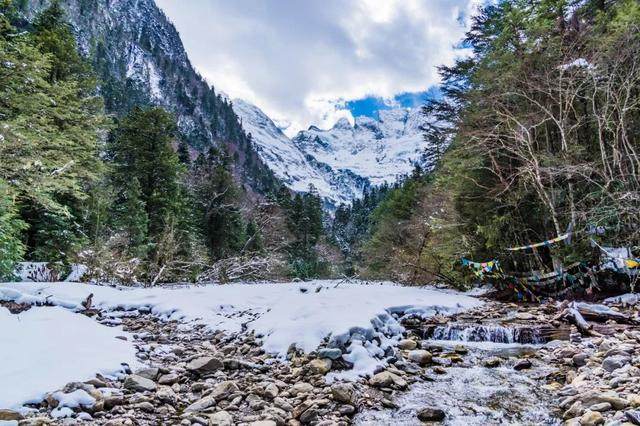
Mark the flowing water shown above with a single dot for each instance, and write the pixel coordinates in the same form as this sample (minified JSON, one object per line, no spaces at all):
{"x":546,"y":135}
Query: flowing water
{"x":471,"y":394}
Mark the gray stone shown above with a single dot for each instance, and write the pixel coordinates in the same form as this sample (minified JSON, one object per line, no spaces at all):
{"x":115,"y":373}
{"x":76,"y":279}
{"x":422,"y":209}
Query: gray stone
{"x":150,"y":373}
{"x":407,"y":344}
{"x":591,"y":418}
{"x":602,"y":406}
{"x":138,"y":384}
{"x":271,"y":391}
{"x":221,"y":418}
{"x":430,"y":414}
{"x":301,"y":387}
{"x":386,"y":379}
{"x":614,"y":362}
{"x":420,"y":356}
{"x":342,"y":392}
{"x":331,"y":353}
{"x":633,"y":416}
{"x":223,"y":390}
{"x":320,"y":365}
{"x":522,"y":364}
{"x":491,"y":362}
{"x":201,"y":404}
{"x":205,"y":365}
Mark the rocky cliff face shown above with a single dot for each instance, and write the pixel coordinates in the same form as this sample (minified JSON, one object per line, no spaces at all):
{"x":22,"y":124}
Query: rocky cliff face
{"x":140,"y":60}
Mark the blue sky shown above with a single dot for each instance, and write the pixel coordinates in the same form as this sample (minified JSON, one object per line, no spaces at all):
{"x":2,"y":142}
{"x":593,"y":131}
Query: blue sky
{"x":313,"y":62}
{"x":370,"y":105}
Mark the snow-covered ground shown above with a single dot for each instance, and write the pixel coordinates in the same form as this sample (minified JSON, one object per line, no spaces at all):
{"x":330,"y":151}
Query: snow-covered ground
{"x":45,"y":348}
{"x":294,"y":313}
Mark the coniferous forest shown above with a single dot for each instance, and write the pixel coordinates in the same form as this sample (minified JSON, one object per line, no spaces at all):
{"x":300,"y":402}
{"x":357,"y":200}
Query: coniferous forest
{"x":92,"y":172}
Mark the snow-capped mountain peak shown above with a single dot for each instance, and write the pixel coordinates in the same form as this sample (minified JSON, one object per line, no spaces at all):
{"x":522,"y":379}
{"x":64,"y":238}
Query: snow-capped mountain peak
{"x":342,"y":161}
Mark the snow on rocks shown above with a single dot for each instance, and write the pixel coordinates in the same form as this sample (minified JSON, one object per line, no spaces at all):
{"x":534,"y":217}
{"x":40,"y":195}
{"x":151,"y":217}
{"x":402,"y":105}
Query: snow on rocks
{"x":45,"y":348}
{"x":280,"y":312}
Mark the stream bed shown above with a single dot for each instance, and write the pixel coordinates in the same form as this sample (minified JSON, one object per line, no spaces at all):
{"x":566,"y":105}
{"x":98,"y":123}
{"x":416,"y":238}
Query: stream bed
{"x":471,"y":393}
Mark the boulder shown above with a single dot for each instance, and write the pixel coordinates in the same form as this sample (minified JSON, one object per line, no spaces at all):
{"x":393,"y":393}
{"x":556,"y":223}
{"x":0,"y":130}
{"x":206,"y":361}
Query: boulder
{"x":331,"y":353}
{"x":320,"y":366}
{"x":386,"y":379}
{"x":523,"y":364}
{"x":491,"y":362}
{"x":205,"y":365}
{"x":420,"y":356}
{"x":271,"y":391}
{"x":342,"y":392}
{"x":633,"y":416}
{"x":591,"y":418}
{"x":221,"y":418}
{"x":614,"y":362}
{"x":138,"y":384}
{"x":9,"y":415}
{"x":301,"y":387}
{"x":407,"y":344}
{"x":430,"y":414}
{"x":150,"y":373}
{"x":223,"y":390}
{"x":201,"y":404}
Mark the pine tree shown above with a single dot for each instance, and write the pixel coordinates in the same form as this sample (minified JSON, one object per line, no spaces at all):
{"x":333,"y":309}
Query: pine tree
{"x":255,"y":242}
{"x":50,"y":137}
{"x":11,"y":247}
{"x":133,"y":219}
{"x":141,"y":149}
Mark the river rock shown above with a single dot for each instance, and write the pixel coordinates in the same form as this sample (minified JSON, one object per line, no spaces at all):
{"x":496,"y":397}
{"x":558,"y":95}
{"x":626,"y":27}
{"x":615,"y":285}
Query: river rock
{"x":580,"y":359}
{"x":574,"y":411}
{"x":602,"y":406}
{"x":223,"y":390}
{"x":591,"y":418}
{"x":342,"y":392}
{"x":386,"y":379}
{"x":271,"y":391}
{"x":633,"y":416}
{"x":221,"y":418}
{"x":138,"y":384}
{"x":614,"y":362}
{"x":168,"y":379}
{"x":331,"y":353}
{"x":634,"y":400}
{"x":320,"y":366}
{"x":407,"y":344}
{"x":491,"y":362}
{"x":430,"y":414}
{"x":9,"y":415}
{"x":420,"y":356}
{"x":301,"y":387}
{"x":205,"y":365}
{"x":150,"y":373}
{"x":523,"y":364}
{"x":201,"y":404}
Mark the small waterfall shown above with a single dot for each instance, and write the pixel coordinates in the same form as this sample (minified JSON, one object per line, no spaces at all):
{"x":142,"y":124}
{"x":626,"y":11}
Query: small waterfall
{"x":487,"y":333}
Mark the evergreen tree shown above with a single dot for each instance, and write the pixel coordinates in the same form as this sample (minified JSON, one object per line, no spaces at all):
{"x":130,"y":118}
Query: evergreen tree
{"x":50,"y":137}
{"x":11,"y":247}
{"x":141,"y":150}
{"x":254,"y":237}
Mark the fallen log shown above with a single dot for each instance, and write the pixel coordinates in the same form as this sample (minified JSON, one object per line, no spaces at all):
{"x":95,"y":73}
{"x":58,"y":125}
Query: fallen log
{"x":601,"y":313}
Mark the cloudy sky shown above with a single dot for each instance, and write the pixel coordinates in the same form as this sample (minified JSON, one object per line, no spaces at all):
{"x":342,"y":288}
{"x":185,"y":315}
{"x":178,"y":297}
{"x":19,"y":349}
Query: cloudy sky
{"x":313,"y":61}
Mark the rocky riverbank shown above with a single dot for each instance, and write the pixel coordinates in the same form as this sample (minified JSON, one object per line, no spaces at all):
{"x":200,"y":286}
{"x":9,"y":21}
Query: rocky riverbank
{"x":198,"y":377}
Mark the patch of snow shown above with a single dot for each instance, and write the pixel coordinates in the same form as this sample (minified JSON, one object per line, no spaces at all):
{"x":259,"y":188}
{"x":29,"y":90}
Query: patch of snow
{"x":77,"y":272}
{"x":282,"y":313}
{"x":45,"y":348}
{"x":75,"y":399}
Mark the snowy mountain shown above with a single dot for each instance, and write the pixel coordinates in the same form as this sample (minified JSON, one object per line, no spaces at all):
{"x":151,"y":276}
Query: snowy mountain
{"x":291,"y":165}
{"x":342,"y":161}
{"x":378,"y":150}
{"x":139,"y":59}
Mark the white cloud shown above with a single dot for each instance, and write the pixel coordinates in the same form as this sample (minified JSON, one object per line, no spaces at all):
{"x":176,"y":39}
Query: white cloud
{"x":298,"y":60}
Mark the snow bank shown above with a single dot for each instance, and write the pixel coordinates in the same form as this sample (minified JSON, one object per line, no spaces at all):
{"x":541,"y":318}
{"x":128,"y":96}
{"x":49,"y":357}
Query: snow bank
{"x":300,"y":313}
{"x":45,"y":348}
